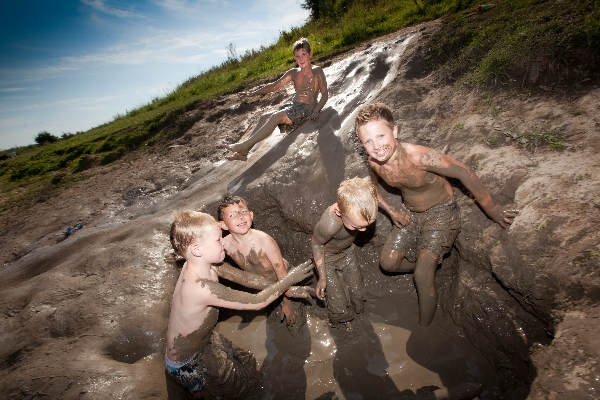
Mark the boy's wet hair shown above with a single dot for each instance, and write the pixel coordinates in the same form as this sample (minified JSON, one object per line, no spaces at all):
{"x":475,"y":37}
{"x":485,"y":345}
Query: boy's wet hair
{"x":186,"y":227}
{"x":373,"y":112}
{"x":302,"y":43}
{"x":358,"y":195}
{"x":226,"y":201}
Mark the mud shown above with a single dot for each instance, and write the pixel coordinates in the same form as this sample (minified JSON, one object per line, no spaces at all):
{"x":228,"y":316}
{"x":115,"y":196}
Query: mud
{"x":85,"y":317}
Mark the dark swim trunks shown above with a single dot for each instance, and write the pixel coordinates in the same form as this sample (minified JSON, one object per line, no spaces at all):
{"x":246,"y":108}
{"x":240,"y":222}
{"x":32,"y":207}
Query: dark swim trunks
{"x":219,"y":371}
{"x":434,"y":229}
{"x":297,"y":112}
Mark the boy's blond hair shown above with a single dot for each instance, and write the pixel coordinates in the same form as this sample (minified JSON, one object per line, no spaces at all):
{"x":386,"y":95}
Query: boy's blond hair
{"x":188,"y":226}
{"x":358,"y":195}
{"x":373,"y":112}
{"x":302,"y":43}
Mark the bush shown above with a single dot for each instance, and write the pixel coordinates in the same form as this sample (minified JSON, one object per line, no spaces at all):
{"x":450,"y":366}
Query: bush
{"x":45,"y":137}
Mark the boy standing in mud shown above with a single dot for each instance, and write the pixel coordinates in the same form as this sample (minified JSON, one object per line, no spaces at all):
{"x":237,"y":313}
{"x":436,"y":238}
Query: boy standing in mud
{"x":253,"y":250}
{"x":334,"y":250}
{"x":198,"y":358}
{"x":426,"y":229}
{"x":309,"y":81}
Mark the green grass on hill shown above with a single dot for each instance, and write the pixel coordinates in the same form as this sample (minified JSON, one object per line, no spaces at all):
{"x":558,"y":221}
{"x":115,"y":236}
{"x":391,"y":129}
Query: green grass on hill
{"x":482,"y":48}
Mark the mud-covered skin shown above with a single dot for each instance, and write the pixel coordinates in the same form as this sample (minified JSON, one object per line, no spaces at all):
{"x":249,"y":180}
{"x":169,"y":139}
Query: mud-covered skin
{"x":186,"y":346}
{"x":201,"y":298}
{"x":225,"y":371}
{"x":254,"y":251}
{"x":333,"y":252}
{"x":420,"y":173}
{"x":309,"y":80}
{"x":434,"y":229}
{"x":254,"y":281}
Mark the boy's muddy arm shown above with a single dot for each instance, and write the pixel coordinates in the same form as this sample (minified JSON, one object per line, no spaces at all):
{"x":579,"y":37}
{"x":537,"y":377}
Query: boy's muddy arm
{"x":241,"y":277}
{"x":255,"y":281}
{"x":444,"y":165}
{"x":271,"y":87}
{"x":323,"y":232}
{"x":324,"y":95}
{"x":399,"y":217}
{"x":219,"y":295}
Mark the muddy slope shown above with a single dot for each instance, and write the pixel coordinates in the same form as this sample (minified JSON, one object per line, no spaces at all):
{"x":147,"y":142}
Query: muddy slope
{"x":85,"y":316}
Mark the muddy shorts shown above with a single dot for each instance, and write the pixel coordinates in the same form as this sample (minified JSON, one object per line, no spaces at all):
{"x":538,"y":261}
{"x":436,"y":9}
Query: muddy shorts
{"x":219,"y":371}
{"x":434,"y":230}
{"x":344,"y":289}
{"x":297,"y":112}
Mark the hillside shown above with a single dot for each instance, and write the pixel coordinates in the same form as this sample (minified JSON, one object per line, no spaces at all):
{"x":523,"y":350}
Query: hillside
{"x":84,"y":315}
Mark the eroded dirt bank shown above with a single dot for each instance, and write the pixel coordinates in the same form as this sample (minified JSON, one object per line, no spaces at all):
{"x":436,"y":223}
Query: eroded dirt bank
{"x":84,"y":317}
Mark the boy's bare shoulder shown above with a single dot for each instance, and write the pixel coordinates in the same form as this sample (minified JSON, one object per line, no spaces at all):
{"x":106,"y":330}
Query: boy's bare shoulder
{"x":329,"y":223}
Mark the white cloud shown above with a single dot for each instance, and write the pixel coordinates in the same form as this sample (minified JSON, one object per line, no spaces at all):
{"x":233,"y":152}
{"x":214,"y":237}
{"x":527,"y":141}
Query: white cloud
{"x":99,"y":5}
{"x":79,"y":102}
{"x":13,"y":89}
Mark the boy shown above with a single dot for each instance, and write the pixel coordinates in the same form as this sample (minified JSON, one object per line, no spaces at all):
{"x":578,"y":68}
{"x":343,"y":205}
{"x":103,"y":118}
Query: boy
{"x":333,"y":248}
{"x":431,"y":220}
{"x":253,"y":250}
{"x":198,"y":358}
{"x":309,"y":81}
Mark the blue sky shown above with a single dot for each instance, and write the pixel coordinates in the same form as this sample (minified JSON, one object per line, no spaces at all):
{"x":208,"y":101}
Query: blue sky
{"x":70,"y":65}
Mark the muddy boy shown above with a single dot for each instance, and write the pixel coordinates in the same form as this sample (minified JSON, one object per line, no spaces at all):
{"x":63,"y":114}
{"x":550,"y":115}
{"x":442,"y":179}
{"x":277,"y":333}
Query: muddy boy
{"x":426,"y":229}
{"x":201,"y":360}
{"x":254,"y":250}
{"x":309,"y":81}
{"x":334,"y":250}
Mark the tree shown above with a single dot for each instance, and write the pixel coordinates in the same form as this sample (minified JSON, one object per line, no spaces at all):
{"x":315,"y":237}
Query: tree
{"x":45,"y":137}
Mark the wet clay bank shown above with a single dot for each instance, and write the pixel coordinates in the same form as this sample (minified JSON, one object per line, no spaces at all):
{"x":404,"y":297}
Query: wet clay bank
{"x":85,"y":317}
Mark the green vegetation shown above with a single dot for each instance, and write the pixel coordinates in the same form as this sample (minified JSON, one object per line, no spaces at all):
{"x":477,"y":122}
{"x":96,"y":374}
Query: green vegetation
{"x":511,"y":42}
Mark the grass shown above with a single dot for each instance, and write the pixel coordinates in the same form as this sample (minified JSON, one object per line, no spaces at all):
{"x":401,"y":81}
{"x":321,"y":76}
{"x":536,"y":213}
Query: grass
{"x":497,"y":46}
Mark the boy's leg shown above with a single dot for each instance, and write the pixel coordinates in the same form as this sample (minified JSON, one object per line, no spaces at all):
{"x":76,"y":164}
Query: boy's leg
{"x":338,"y":309}
{"x":354,"y":282}
{"x":425,"y":282}
{"x":398,"y":253}
{"x":261,"y":121}
{"x":231,"y":373}
{"x":280,"y":117}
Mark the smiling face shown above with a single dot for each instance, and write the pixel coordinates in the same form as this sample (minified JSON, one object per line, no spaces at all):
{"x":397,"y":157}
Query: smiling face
{"x":379,"y":139}
{"x":302,"y":57}
{"x":237,"y":218}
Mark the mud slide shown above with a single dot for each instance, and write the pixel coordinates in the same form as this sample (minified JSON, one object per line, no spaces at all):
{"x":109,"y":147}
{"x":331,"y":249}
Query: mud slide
{"x":86,"y":317}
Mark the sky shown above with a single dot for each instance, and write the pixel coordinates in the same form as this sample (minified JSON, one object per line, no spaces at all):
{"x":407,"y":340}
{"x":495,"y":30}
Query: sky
{"x":69,"y":65}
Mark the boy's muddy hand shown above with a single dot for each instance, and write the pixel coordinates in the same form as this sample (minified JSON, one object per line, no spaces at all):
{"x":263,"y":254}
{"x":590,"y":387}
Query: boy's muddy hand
{"x":400,"y":218}
{"x":301,"y":292}
{"x":300,"y":272}
{"x":508,"y":217}
{"x":321,"y":285}
{"x":503,"y":217}
{"x":288,"y":312}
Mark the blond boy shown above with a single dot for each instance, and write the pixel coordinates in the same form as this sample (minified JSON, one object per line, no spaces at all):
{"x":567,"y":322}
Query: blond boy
{"x":431,"y":220}
{"x":309,"y":81}
{"x":334,"y":250}
{"x":201,"y":360}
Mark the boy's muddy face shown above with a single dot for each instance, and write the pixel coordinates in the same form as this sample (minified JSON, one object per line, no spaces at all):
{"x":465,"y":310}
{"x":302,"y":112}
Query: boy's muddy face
{"x":237,"y":218}
{"x":355,"y":222}
{"x":378,"y":139}
{"x":302,"y":57}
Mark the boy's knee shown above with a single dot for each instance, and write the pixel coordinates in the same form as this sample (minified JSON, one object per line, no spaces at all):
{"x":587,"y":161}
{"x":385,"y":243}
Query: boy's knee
{"x":389,"y":261}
